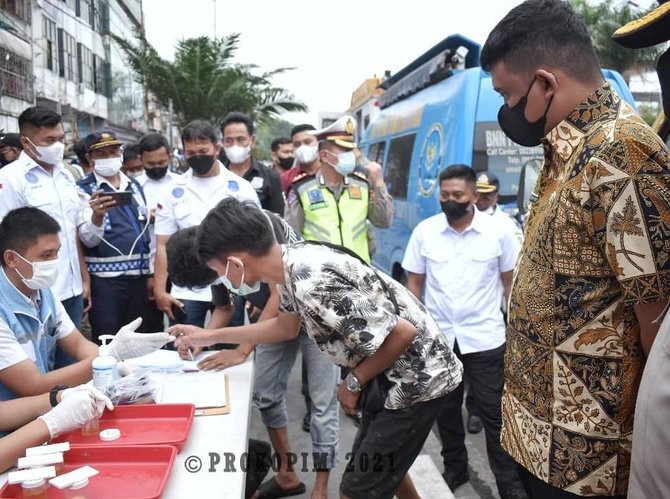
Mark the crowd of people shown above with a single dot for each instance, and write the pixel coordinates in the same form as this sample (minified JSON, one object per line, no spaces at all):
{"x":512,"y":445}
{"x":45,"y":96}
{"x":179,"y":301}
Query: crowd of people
{"x":547,"y":328}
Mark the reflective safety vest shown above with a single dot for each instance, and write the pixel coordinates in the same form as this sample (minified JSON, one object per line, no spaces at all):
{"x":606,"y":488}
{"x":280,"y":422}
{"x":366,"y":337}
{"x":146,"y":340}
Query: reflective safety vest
{"x":339,"y":221}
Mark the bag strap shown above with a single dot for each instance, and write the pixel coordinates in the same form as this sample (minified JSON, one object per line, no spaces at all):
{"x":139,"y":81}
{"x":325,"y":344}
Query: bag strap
{"x":342,"y":249}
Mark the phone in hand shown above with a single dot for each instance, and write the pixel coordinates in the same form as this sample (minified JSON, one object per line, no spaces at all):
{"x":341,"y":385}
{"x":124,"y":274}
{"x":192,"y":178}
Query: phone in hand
{"x":120,"y":197}
{"x":179,"y":314}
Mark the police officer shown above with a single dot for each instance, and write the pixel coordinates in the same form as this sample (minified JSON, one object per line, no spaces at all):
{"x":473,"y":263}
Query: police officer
{"x":488,"y":187}
{"x":193,"y":194}
{"x":333,"y":204}
{"x":115,"y":237}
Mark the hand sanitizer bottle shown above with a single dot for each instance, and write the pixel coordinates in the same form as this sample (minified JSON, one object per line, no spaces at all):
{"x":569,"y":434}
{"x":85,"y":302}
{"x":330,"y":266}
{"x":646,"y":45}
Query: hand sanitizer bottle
{"x":105,"y":369}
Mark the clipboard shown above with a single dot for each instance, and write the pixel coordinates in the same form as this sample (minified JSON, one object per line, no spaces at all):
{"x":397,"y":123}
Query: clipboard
{"x":189,"y":388}
{"x":216,"y":411}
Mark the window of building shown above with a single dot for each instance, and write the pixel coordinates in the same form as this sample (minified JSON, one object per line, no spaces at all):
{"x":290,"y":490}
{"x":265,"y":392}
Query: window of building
{"x":376,"y":152}
{"x":67,"y":55}
{"x":50,"y":43}
{"x":83,"y":10}
{"x":16,"y":76}
{"x":18,"y":8}
{"x":101,"y":76}
{"x":85,"y":65}
{"x":397,"y":165}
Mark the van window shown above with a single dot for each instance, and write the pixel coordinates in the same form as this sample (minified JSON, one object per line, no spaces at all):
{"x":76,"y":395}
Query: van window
{"x":376,"y":152}
{"x":397,"y":165}
{"x":495,"y":152}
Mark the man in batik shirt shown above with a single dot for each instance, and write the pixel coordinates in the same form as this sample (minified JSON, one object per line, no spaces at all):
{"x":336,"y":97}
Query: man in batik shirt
{"x":594,"y":270}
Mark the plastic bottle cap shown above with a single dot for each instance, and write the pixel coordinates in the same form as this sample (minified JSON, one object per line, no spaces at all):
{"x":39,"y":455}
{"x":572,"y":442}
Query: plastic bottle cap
{"x":79,"y":485}
{"x":33,"y":484}
{"x":110,"y":434}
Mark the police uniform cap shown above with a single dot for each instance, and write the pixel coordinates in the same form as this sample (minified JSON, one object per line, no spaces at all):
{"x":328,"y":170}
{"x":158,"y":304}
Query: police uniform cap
{"x":647,"y":31}
{"x":98,"y":140}
{"x":487,"y":182}
{"x":10,"y":140}
{"x":341,"y":132}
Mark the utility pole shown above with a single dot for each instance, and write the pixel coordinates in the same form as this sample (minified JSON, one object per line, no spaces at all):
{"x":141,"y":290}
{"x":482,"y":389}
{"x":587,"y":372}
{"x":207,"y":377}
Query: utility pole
{"x":145,"y":94}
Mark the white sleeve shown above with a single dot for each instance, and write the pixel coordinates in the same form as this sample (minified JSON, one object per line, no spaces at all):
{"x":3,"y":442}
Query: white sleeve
{"x":11,"y":351}
{"x":165,"y":223}
{"x":510,"y":249}
{"x":10,"y":197}
{"x":65,"y":324}
{"x":414,"y":261}
{"x":89,"y":233}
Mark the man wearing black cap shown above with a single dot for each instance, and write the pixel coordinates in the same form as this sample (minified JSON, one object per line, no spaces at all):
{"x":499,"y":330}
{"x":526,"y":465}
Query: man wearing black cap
{"x":10,"y":147}
{"x":115,"y":237}
{"x":651,"y":438}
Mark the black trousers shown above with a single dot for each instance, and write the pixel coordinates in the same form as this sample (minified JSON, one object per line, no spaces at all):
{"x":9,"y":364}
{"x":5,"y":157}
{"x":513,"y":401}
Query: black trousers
{"x":117,"y":301}
{"x":538,"y":489}
{"x":484,"y":371}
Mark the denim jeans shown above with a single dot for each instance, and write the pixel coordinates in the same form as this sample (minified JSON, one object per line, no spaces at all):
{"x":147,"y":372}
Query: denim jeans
{"x":273,"y":365}
{"x":196,"y":312}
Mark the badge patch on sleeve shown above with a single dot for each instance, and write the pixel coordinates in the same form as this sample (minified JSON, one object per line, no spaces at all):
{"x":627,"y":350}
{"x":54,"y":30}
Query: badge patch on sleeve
{"x":292,"y":198}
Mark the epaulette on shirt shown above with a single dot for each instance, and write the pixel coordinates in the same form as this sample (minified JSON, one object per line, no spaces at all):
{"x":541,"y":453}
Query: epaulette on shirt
{"x":360,"y":175}
{"x":301,"y":177}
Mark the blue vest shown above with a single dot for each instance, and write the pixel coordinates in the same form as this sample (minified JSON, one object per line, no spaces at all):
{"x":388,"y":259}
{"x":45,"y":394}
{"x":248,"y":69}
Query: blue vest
{"x":20,"y":316}
{"x":123,"y":225}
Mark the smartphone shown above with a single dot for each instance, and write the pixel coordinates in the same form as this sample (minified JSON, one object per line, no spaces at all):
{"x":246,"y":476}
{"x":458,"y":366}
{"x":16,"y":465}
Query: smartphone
{"x":121,"y":197}
{"x":179,"y":314}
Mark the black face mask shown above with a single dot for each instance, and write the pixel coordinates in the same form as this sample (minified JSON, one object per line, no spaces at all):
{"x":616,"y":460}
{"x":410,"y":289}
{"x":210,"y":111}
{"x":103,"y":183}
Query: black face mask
{"x":454,"y":210}
{"x":513,"y":122}
{"x":156,"y":173}
{"x":201,"y":164}
{"x":3,"y":161}
{"x":286,"y":163}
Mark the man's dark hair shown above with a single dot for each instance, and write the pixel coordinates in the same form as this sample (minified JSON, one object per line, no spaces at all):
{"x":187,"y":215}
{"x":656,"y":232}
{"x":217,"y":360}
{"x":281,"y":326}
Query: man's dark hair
{"x":198,"y":130}
{"x":152,"y":142}
{"x":235,"y":117}
{"x":459,"y":171}
{"x":131,"y":152}
{"x":234,"y":226}
{"x":280,"y":141}
{"x":80,"y":150}
{"x":301,"y":128}
{"x":542,"y":33}
{"x":22,"y":227}
{"x":185,"y":267}
{"x":37,"y":117}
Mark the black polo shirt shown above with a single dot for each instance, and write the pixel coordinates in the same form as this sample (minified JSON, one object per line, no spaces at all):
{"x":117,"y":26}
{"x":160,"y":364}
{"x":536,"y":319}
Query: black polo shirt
{"x":268,"y":186}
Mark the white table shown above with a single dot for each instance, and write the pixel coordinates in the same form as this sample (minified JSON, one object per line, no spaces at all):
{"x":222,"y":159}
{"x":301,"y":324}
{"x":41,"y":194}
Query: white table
{"x":214,"y":434}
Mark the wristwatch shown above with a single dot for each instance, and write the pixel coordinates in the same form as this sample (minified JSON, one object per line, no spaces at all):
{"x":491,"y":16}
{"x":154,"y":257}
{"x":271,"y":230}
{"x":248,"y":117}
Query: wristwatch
{"x":53,"y":394}
{"x":352,"y":383}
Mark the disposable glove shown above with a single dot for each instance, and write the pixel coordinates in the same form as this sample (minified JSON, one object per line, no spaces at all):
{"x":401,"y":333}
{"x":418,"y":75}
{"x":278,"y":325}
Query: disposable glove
{"x":75,"y":410}
{"x":100,"y":399}
{"x":127,"y":344}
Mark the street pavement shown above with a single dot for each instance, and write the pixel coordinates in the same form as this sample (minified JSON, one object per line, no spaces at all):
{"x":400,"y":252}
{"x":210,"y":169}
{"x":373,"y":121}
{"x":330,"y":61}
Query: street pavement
{"x":425,"y":473}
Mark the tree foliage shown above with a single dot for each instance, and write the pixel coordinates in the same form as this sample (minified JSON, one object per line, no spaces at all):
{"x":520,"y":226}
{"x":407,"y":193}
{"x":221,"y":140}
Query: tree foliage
{"x":205,"y":82}
{"x":603,"y":19}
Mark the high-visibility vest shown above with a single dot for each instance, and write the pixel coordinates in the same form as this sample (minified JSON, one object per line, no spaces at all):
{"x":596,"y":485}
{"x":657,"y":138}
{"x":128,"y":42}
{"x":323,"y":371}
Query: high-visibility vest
{"x":339,"y":221}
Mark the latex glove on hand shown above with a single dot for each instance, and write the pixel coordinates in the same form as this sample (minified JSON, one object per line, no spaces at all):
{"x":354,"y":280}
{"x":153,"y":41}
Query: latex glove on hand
{"x":79,"y":406}
{"x":100,"y":399}
{"x":127,"y":344}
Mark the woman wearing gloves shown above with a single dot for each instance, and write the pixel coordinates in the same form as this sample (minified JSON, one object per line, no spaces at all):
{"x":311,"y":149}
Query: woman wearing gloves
{"x":74,"y":407}
{"x":33,"y":322}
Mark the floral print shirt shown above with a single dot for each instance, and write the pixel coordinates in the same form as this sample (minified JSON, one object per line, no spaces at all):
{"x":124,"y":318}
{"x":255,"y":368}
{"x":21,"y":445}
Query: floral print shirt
{"x":348,"y":313}
{"x":597,"y":242}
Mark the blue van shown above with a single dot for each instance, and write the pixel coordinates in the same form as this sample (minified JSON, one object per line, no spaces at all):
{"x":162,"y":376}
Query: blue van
{"x":441,"y":110}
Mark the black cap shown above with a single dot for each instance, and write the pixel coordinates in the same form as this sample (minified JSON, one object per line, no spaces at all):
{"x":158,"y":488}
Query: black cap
{"x":10,"y":140}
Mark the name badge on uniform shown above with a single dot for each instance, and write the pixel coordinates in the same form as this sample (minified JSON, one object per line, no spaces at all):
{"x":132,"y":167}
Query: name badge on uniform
{"x":316,"y":199}
{"x":233,"y":186}
{"x":257,"y":183}
{"x":32,"y":178}
{"x":177,"y":192}
{"x":355,"y":192}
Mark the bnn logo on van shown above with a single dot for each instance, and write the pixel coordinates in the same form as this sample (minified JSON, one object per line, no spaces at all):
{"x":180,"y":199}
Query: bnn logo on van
{"x":430,"y":160}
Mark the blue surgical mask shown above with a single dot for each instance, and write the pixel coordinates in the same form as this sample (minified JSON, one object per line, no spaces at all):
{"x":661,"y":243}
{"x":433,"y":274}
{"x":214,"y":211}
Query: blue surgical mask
{"x":346,"y":163}
{"x":244,"y":289}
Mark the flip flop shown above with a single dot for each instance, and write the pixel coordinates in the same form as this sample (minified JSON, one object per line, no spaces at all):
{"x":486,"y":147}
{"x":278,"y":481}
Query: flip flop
{"x":271,"y":488}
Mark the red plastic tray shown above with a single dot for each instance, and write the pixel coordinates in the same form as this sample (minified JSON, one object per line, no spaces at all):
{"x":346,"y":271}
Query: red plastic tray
{"x":131,"y":472}
{"x":150,"y":424}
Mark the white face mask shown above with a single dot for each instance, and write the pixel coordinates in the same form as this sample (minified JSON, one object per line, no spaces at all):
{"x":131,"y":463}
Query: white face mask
{"x":135,"y":174}
{"x":108,"y":167}
{"x":51,"y":155}
{"x":237,"y":154}
{"x":306,"y":154}
{"x":44,"y":274}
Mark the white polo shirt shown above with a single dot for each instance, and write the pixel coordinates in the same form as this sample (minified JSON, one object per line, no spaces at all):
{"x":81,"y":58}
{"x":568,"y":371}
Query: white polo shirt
{"x":463,"y":291}
{"x":187,"y":204}
{"x":154,"y":192}
{"x":25,"y":183}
